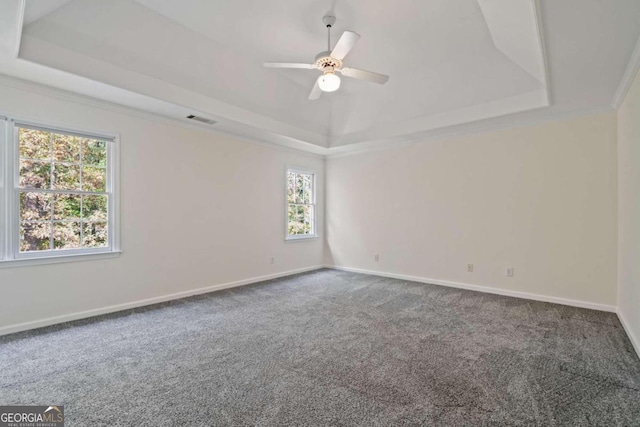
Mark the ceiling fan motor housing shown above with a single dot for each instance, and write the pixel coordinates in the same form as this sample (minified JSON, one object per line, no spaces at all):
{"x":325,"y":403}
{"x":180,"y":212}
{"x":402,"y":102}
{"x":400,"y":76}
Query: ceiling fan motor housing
{"x":327,"y":63}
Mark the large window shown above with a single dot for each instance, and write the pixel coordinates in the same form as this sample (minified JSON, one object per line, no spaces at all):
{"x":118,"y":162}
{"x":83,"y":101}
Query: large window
{"x":301,"y":204}
{"x":58,"y":192}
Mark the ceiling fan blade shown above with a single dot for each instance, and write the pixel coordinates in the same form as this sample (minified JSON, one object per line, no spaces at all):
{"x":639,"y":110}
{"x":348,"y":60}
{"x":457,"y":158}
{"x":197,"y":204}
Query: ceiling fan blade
{"x":315,"y":92}
{"x":289,"y":65}
{"x":345,"y":44}
{"x":365,"y":75}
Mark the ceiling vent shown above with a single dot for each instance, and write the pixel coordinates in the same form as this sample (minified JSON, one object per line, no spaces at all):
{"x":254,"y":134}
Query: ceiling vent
{"x":201,"y":119}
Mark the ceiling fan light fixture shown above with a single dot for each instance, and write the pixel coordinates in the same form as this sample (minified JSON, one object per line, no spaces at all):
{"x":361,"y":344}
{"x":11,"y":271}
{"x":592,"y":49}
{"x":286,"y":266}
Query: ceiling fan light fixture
{"x":329,"y":82}
{"x":330,"y":61}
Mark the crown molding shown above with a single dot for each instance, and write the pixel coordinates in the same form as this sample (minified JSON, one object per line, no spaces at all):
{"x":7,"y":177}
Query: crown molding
{"x":64,"y":95}
{"x":26,"y":75}
{"x":541,"y":116}
{"x":42,"y":58}
{"x":628,"y":77}
{"x":476,"y":128}
{"x":423,"y":126}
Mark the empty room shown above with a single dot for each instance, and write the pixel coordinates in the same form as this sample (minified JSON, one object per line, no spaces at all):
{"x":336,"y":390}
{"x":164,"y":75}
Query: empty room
{"x":319,"y":213}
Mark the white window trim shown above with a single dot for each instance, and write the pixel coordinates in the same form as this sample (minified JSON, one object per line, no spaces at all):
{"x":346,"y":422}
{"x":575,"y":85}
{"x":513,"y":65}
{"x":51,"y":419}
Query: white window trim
{"x":300,"y":237}
{"x":4,"y":221}
{"x":10,"y":255}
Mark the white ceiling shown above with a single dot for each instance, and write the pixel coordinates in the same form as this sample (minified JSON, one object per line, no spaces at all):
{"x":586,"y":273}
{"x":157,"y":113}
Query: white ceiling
{"x":452,"y":64}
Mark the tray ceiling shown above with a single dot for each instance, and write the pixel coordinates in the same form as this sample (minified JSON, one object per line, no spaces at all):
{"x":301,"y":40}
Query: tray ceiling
{"x":450,"y":63}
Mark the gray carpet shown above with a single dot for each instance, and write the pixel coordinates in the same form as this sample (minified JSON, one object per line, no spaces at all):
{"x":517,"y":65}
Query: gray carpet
{"x":331,"y":348}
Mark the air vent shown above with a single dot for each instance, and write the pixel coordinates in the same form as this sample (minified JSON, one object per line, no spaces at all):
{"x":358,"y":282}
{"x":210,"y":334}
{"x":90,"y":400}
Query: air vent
{"x":201,"y":119}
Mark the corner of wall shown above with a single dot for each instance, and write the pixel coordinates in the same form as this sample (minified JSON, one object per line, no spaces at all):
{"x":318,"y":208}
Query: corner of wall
{"x":628,"y":192}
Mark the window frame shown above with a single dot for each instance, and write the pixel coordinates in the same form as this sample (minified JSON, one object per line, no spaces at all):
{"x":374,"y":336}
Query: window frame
{"x":10,"y":254}
{"x":300,"y":237}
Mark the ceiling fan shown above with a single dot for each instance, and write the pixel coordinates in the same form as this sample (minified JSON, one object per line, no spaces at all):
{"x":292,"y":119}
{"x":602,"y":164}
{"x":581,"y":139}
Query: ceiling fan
{"x":330,"y":63}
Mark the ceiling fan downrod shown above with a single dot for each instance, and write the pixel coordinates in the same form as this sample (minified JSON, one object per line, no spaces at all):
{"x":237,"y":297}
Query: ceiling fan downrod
{"x":329,"y":20}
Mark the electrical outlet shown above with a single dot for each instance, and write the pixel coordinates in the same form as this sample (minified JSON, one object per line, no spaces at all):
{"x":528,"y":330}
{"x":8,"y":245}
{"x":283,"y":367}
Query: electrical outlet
{"x":509,"y":272}
{"x":376,"y":257}
{"x":273,"y":260}
{"x":470,"y":268}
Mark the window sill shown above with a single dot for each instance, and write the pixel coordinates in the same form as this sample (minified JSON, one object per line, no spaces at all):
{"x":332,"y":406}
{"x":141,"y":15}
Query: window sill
{"x":57,"y":259}
{"x":301,"y":238}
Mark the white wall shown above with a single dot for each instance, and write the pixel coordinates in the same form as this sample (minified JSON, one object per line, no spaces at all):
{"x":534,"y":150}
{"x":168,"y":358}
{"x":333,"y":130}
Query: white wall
{"x":629,"y":212}
{"x":200,"y":209}
{"x":540,"y":199}
{"x":197,"y":209}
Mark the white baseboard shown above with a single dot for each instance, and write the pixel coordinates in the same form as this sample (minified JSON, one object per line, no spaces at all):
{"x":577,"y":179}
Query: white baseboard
{"x":119,"y":307}
{"x":634,"y":340}
{"x":485,"y":289}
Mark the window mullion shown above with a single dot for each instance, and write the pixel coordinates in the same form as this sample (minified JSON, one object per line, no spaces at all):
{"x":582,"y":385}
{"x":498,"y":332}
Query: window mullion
{"x":78,"y":192}
{"x":53,"y":196}
{"x":51,"y":224}
{"x":12,"y":222}
{"x":82,"y":219}
{"x":82,"y":198}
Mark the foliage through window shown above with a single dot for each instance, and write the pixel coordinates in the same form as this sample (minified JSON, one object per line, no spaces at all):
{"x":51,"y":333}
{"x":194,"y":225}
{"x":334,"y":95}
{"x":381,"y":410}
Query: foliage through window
{"x":301,"y":204}
{"x":60,"y":196}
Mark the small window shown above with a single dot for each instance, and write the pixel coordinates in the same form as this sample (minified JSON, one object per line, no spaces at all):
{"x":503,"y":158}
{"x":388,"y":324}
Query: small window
{"x":301,"y":204}
{"x":62,"y":198}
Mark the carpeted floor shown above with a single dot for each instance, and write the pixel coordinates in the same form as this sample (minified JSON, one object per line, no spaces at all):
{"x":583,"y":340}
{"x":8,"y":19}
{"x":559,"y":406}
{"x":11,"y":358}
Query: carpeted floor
{"x":331,"y":348}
